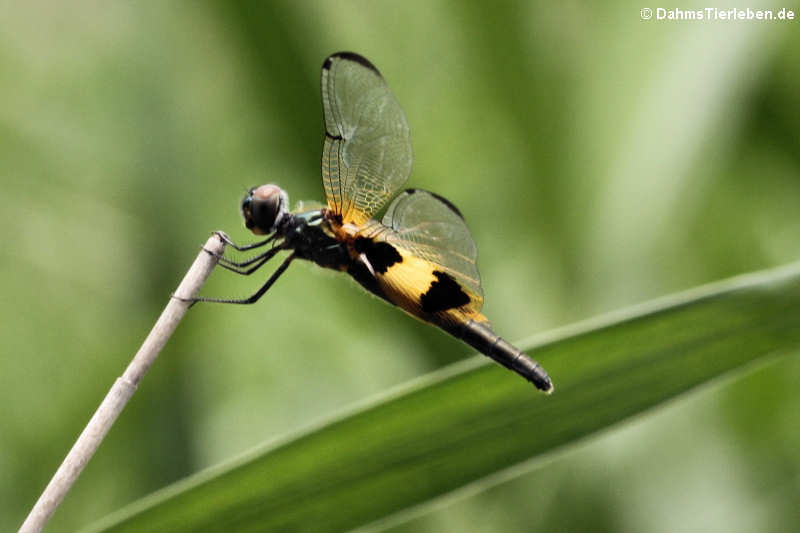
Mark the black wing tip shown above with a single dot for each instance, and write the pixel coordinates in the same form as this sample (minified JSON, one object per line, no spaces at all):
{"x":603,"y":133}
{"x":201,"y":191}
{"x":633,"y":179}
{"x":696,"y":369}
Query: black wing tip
{"x":442,"y":199}
{"x":350,"y":56}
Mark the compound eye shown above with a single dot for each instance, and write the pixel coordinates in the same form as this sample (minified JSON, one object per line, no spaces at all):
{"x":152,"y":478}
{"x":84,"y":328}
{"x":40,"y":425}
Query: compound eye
{"x":247,"y":200}
{"x":263,"y":207}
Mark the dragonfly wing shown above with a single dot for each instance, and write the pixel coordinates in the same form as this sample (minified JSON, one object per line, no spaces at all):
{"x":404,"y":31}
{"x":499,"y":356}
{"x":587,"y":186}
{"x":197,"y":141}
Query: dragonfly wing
{"x":366,"y":155}
{"x":425,"y":259}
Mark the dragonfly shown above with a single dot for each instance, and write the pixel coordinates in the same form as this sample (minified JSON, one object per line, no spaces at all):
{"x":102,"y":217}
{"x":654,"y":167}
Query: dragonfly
{"x":419,"y":257}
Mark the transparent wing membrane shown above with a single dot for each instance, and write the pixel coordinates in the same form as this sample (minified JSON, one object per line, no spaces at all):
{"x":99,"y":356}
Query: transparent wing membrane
{"x":367,"y":155}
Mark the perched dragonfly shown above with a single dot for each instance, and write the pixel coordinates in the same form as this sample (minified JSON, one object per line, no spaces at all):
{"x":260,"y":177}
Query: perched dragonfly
{"x":419,"y":257}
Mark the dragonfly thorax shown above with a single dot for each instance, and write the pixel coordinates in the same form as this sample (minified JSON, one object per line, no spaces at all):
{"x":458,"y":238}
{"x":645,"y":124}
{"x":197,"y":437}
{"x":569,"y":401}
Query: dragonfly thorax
{"x":263,"y":208}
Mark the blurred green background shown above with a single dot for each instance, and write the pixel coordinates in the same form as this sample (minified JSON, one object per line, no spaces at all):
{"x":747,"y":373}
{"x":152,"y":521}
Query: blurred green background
{"x":601,"y":160}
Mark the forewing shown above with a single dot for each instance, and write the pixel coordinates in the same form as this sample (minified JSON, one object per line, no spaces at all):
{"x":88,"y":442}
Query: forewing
{"x":366,"y":156}
{"x":430,"y":233}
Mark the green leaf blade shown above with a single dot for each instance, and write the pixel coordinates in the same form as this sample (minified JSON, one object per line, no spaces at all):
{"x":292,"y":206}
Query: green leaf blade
{"x":467,"y":423}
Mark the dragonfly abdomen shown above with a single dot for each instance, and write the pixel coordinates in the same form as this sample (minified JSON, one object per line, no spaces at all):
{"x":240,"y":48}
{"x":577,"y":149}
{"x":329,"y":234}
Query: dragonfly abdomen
{"x":482,"y":338}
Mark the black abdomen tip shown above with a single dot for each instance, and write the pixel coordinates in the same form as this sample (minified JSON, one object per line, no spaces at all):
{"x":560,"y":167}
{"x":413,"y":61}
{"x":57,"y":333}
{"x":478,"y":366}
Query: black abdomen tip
{"x":541,"y":381}
{"x":534,"y":373}
{"x":480,"y":336}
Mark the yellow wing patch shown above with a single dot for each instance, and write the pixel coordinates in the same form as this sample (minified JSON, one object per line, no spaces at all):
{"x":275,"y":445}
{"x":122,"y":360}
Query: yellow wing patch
{"x":426,"y":291}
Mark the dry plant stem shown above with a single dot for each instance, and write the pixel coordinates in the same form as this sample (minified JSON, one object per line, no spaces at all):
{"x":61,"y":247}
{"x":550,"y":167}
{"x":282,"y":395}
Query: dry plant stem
{"x":123,"y":389}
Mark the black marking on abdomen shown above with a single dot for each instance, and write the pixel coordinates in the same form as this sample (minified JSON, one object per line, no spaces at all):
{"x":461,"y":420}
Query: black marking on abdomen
{"x":444,"y":293}
{"x":362,"y":275}
{"x":381,"y":255}
{"x":334,"y":137}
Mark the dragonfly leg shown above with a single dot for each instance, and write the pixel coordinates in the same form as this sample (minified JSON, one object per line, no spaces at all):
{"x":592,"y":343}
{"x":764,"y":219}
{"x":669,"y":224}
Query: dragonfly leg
{"x":259,"y":261}
{"x":244,"y":247}
{"x":237,"y":267}
{"x":258,"y":294}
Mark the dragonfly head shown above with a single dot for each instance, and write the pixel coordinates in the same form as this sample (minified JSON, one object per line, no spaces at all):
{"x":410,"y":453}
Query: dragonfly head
{"x":263,"y":208}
